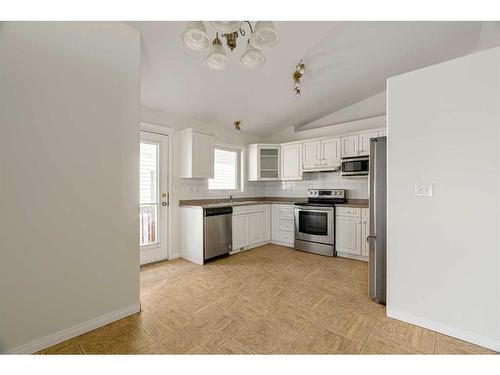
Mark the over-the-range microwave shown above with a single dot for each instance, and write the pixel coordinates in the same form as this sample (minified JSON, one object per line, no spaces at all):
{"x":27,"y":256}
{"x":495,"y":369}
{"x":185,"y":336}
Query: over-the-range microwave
{"x":357,"y":166}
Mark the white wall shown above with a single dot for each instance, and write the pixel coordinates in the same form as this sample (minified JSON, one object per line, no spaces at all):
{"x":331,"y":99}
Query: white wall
{"x":444,"y":250}
{"x":373,"y":106}
{"x":291,"y":134}
{"x":69,"y":154}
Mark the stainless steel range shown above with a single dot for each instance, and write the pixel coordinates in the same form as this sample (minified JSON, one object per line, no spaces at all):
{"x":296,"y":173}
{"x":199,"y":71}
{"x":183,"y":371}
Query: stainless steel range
{"x":315,"y":221}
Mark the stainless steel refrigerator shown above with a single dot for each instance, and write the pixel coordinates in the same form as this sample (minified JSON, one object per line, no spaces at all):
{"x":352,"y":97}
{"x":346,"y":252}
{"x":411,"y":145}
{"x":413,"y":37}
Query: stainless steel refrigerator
{"x":377,"y":270}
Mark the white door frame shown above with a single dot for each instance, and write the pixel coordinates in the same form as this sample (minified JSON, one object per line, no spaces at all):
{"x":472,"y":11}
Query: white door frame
{"x":168,"y":132}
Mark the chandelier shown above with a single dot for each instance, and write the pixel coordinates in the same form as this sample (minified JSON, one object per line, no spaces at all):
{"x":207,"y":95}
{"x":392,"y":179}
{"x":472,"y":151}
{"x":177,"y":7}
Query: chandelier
{"x":264,"y":35}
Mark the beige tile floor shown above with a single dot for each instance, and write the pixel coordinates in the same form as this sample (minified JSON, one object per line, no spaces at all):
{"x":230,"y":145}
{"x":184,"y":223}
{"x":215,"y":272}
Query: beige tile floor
{"x":268,"y":300}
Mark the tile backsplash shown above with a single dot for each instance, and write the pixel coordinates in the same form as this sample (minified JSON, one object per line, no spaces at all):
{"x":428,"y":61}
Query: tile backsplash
{"x":357,"y":187}
{"x":198,"y":189}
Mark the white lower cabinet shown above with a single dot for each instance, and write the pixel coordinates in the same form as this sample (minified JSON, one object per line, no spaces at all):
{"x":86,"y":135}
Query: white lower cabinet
{"x":240,"y":231}
{"x":282,"y":224}
{"x":351,"y":231}
{"x":255,"y":228}
{"x":251,"y":226}
{"x":348,"y":235}
{"x":256,"y":225}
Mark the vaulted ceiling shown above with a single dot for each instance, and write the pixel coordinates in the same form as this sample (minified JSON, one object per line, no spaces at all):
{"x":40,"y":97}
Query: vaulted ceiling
{"x":346,"y":62}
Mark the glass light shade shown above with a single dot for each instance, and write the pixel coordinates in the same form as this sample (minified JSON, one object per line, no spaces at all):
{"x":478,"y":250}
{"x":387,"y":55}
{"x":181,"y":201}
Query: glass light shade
{"x":265,"y":35}
{"x":226,"y":27}
{"x":252,"y":57}
{"x":195,"y":36}
{"x":217,"y":58}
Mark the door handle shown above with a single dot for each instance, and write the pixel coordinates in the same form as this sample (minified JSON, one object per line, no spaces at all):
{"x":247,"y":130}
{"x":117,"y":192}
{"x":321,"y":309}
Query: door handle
{"x":370,"y":237}
{"x":165,"y":202}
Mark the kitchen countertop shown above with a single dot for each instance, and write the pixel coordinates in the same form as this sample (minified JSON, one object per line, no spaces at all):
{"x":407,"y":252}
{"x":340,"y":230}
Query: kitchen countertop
{"x":211,"y":203}
{"x":354,"y":203}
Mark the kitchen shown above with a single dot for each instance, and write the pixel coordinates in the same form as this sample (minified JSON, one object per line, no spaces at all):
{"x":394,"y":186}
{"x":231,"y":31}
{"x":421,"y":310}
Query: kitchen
{"x":251,"y":187}
{"x":291,"y":162}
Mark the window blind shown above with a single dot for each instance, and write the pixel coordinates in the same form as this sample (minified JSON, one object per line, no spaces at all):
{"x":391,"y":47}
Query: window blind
{"x":225,"y":170}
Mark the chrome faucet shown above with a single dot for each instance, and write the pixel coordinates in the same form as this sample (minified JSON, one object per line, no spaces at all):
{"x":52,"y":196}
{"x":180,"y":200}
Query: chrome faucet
{"x":230,"y":200}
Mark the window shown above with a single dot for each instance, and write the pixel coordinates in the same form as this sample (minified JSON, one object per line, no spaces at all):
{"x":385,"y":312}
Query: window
{"x":148,"y":193}
{"x":226,"y":169}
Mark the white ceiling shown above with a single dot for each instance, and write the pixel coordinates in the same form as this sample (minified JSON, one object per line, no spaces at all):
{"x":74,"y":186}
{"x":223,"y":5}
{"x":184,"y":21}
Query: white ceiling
{"x":346,"y":62}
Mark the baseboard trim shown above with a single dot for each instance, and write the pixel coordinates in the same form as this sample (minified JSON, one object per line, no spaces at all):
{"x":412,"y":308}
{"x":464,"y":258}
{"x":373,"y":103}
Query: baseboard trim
{"x":280,"y":243}
{"x":452,"y":331}
{"x":351,"y":256}
{"x":68,"y":333}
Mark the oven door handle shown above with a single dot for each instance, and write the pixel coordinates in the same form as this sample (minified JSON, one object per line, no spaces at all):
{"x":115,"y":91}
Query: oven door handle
{"x":326,"y":210}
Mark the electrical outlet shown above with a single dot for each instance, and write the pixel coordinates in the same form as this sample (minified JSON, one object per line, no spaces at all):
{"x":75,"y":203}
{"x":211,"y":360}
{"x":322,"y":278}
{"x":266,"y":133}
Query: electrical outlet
{"x":423,"y":190}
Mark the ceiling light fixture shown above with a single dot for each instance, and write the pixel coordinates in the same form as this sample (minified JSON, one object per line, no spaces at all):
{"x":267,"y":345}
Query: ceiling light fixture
{"x":252,"y":57}
{"x":237,"y":127}
{"x":226,"y":27}
{"x":196,"y":38}
{"x":265,"y":35}
{"x":217,"y":58}
{"x":300,"y":69}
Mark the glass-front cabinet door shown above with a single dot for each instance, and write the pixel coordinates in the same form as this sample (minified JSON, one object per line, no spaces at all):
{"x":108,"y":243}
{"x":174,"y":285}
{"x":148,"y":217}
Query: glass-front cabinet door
{"x":269,"y":162}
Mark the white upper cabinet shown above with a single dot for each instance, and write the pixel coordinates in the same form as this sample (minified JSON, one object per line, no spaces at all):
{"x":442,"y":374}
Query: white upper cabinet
{"x":382,"y":133}
{"x":350,"y":146}
{"x":311,"y":152}
{"x":357,"y":144}
{"x":330,"y":150}
{"x":291,"y":156}
{"x":197,"y":154}
{"x":263,"y":162}
{"x":364,"y":142}
{"x":321,"y":155}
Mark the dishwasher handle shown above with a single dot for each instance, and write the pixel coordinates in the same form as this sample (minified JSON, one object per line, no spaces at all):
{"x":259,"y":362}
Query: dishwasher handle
{"x":216,"y":211}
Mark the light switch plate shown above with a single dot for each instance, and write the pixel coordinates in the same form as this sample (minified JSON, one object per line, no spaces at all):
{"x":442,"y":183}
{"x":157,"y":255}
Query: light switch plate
{"x":423,"y":190}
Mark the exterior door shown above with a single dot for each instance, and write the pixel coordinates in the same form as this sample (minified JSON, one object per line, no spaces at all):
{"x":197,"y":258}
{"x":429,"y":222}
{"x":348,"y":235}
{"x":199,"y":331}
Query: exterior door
{"x":153,"y":200}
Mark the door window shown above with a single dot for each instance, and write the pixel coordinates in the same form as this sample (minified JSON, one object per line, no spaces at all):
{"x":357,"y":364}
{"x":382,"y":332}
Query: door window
{"x":149,"y":194}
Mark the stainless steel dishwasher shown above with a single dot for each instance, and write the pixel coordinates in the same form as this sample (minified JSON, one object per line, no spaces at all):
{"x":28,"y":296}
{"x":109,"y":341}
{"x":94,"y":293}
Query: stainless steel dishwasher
{"x":217,"y":231}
